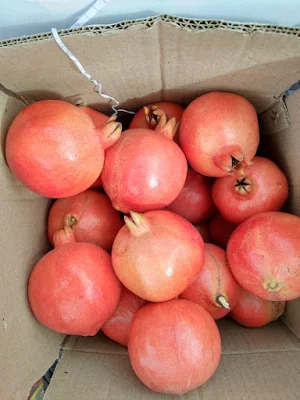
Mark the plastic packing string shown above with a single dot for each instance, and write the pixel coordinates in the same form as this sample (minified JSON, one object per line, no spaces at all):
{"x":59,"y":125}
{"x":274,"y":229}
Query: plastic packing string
{"x":90,"y":13}
{"x":98,"y":85}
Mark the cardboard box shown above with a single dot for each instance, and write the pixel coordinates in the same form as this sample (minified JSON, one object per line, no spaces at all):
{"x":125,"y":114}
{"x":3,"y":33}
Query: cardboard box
{"x":138,"y":62}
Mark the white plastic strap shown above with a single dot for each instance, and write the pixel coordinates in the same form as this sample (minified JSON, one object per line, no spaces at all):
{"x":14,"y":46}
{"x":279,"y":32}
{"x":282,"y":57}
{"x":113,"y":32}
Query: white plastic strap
{"x":98,"y":85}
{"x":90,"y":13}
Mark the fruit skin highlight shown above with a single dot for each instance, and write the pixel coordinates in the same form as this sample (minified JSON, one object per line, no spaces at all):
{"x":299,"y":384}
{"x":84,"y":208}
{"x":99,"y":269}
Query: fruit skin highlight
{"x":215,"y":288}
{"x":145,"y":170}
{"x":157,"y":255}
{"x":264,"y":252}
{"x":262,"y":187}
{"x":55,"y":150}
{"x":73,"y":289}
{"x":219,"y":133}
{"x":253,"y":312}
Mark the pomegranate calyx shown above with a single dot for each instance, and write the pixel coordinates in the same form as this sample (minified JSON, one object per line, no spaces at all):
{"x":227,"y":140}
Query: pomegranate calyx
{"x":243,"y":186}
{"x":109,"y":132}
{"x":273,"y":286}
{"x":153,"y":114}
{"x":70,"y":220}
{"x":63,"y":236}
{"x":166,"y":127}
{"x":137,"y":225}
{"x":222,"y":301}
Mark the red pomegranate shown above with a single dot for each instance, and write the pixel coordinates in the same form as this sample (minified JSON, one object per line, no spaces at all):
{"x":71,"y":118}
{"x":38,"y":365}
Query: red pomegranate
{"x":204,"y":232}
{"x":157,"y":255}
{"x":148,"y":116}
{"x":118,"y":326}
{"x":194,"y":202}
{"x":73,"y":289}
{"x":262,"y":187}
{"x":96,"y":116}
{"x":174,"y":347}
{"x":215,"y":288}
{"x":55,"y":150}
{"x":264,"y":253}
{"x":145,"y":170}
{"x":219,"y":131}
{"x":90,"y":215}
{"x":220,"y":230}
{"x":253,"y":312}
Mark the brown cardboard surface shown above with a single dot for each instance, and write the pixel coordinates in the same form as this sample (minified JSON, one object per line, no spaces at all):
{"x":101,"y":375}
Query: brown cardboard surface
{"x":235,"y":339}
{"x":175,"y":60}
{"x":27,"y":348}
{"x":256,"y":376}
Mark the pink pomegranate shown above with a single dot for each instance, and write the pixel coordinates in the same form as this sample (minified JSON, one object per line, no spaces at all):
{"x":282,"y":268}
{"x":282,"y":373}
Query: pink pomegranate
{"x":218,"y":132}
{"x":264,"y":253}
{"x":118,"y":326}
{"x":149,"y":116}
{"x":174,"y":347}
{"x":145,"y":170}
{"x":90,"y":215}
{"x":262,"y":187}
{"x":220,"y":230}
{"x":157,"y":255}
{"x":55,"y":150}
{"x":194,"y":202}
{"x":73,"y":289}
{"x":215,"y":288}
{"x":253,"y":312}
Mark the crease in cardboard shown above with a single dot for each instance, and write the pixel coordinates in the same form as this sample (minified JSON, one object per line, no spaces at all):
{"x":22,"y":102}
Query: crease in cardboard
{"x":12,"y":94}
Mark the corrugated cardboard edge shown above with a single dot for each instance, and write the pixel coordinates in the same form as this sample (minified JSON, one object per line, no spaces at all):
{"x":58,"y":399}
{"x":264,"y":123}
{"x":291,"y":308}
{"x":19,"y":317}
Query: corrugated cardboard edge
{"x":185,"y":23}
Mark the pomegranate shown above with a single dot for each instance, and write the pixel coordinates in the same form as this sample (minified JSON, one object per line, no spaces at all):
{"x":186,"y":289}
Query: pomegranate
{"x":118,"y":326}
{"x":90,"y":215}
{"x":218,"y":132}
{"x":174,"y":347}
{"x":262,"y":187}
{"x":145,"y":170}
{"x":73,"y":288}
{"x":215,"y":288}
{"x":264,"y":253}
{"x":97,"y":117}
{"x":55,"y":150}
{"x":148,"y":116}
{"x":194,"y":202}
{"x":220,"y":230}
{"x":204,"y":232}
{"x":157,"y":255}
{"x":253,"y":312}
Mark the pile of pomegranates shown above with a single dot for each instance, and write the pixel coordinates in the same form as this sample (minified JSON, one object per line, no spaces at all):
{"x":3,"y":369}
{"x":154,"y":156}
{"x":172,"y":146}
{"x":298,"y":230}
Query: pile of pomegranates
{"x":203,"y":236}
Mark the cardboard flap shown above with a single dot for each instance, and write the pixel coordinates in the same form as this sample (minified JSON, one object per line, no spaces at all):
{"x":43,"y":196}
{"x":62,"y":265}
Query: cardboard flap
{"x":165,"y":59}
{"x":27,"y":348}
{"x":257,"y":376}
